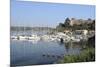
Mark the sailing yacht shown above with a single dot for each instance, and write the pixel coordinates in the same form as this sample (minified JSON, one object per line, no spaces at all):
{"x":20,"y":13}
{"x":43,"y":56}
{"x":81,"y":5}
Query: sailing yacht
{"x":33,"y":37}
{"x":22,"y":37}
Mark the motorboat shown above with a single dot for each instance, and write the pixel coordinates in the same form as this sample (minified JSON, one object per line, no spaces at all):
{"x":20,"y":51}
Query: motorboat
{"x":34,"y":37}
{"x":14,"y":37}
{"x":75,"y":39}
{"x":22,"y":37}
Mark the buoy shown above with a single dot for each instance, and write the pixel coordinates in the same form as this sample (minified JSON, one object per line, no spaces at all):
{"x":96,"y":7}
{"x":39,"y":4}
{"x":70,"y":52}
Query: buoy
{"x":53,"y":56}
{"x":58,"y":56}
{"x":43,"y":55}
{"x":48,"y":55}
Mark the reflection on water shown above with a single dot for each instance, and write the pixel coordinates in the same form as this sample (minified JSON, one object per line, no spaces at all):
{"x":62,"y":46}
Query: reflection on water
{"x":30,"y":53}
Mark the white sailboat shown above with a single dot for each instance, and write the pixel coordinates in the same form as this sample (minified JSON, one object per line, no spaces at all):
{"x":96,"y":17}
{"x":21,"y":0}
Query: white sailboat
{"x":22,"y":37}
{"x":14,"y":37}
{"x":33,"y":37}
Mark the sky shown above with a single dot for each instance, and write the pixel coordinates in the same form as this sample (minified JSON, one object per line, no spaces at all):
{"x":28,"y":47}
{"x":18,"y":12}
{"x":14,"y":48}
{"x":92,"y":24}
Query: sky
{"x":34,"y":14}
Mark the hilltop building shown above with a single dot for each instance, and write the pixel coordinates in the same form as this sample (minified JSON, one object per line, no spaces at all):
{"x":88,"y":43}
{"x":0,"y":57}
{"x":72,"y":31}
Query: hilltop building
{"x":74,"y":21}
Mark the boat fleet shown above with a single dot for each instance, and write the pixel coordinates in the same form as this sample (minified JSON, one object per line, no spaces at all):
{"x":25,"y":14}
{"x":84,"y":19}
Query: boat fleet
{"x":24,"y":37}
{"x":53,"y":37}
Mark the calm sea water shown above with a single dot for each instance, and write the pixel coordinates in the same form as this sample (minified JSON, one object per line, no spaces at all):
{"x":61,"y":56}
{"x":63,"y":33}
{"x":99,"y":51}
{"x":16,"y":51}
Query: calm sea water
{"x":36,"y":53}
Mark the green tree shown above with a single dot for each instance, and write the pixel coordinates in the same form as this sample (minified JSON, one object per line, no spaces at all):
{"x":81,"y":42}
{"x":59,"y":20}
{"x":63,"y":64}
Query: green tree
{"x":67,"y":21}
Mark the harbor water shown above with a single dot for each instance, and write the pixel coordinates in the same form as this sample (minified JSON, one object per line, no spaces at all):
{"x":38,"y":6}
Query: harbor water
{"x":25,"y":52}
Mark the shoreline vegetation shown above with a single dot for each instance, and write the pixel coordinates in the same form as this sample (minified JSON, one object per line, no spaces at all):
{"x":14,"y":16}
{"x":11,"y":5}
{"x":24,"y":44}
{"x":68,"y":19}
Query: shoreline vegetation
{"x":87,"y":53}
{"x":71,"y":25}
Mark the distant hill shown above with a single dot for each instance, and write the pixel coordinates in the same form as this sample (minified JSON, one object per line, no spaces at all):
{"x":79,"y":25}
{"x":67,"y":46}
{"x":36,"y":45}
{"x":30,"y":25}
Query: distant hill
{"x":17,"y":28}
{"x":76,"y":24}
